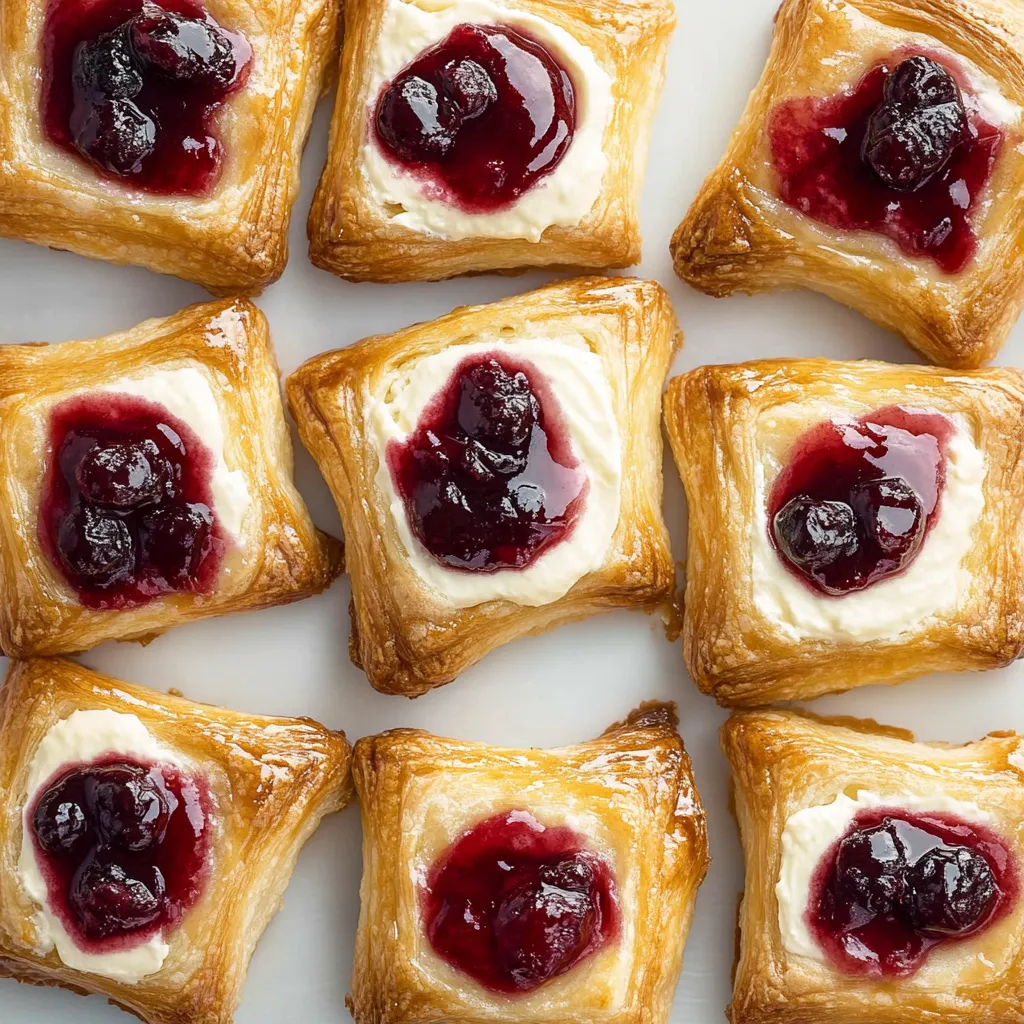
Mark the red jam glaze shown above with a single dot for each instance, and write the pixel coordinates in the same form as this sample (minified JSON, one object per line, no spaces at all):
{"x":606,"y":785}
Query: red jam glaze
{"x":898,"y":884}
{"x":514,"y":904}
{"x":488,"y":477}
{"x":816,"y":145}
{"x":127,"y":511}
{"x":135,"y":90}
{"x":480,"y":117}
{"x":122,"y":847}
{"x":879,"y":478}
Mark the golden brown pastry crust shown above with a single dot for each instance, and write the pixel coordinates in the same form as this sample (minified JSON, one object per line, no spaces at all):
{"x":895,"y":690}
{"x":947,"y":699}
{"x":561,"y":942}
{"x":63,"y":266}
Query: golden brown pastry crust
{"x":738,"y":236}
{"x":234,"y":240}
{"x":735,"y":652}
{"x":351,"y":235}
{"x":783,"y":761}
{"x":284,"y":558}
{"x":406,"y":636}
{"x":418,"y":793}
{"x":271,"y":780}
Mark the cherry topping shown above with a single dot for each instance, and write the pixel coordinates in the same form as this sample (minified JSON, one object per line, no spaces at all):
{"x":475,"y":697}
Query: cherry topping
{"x":184,"y":49}
{"x":914,"y":130}
{"x":122,"y":847}
{"x":127,"y":510}
{"x":488,"y":477}
{"x":906,"y":154}
{"x":896,"y":885}
{"x":514,"y":904}
{"x":134,"y":87}
{"x":108,"y":901}
{"x":481,"y":116}
{"x":856,"y":501}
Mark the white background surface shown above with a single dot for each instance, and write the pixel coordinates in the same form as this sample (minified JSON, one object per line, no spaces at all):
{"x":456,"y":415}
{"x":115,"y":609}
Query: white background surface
{"x":560,"y":688}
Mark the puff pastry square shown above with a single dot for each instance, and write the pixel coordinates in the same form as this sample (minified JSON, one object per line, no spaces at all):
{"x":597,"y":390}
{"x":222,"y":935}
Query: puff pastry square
{"x":740,"y":236}
{"x":233,"y":240}
{"x":354,"y":234}
{"x":753,"y":633}
{"x":408,"y":634}
{"x":785,"y":762}
{"x":630,"y":792}
{"x":276,"y":555}
{"x":271,"y":781}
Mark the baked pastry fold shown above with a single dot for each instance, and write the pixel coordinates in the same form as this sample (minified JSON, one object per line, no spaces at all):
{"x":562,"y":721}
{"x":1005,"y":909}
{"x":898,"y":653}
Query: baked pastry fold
{"x":408,"y":633}
{"x":355,"y":235}
{"x":784,"y":762}
{"x":752,"y":632}
{"x":233,"y":240}
{"x":276,"y":556}
{"x":739,"y":235}
{"x":270,"y":781}
{"x":630,"y":792}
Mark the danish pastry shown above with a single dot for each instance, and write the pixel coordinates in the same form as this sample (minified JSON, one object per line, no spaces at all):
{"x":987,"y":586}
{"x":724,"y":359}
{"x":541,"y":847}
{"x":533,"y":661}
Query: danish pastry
{"x":574,"y":873}
{"x":146,"y":842}
{"x":476,"y":135}
{"x":882,"y":875}
{"x":145,"y":480}
{"x":849,"y":523}
{"x":167,"y":137}
{"x":879,"y":161}
{"x":497,"y":471}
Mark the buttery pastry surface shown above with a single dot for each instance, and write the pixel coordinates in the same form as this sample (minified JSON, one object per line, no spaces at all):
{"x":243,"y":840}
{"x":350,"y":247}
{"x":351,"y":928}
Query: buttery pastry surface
{"x":630,"y":792}
{"x":784,"y":761}
{"x":409,"y":637}
{"x":353,"y":236}
{"x":281,"y":556}
{"x":732,"y":429}
{"x":740,"y":236}
{"x":233,"y":240}
{"x":271,"y":781}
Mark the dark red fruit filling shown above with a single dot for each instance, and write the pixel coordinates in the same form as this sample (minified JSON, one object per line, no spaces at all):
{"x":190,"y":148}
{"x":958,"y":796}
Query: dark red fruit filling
{"x":122,"y":847}
{"x":134,"y":88}
{"x":902,"y":155}
{"x":857,"y":499}
{"x":127,"y":513}
{"x":898,"y":884}
{"x":514,"y":904}
{"x":488,"y":477}
{"x":481,"y":116}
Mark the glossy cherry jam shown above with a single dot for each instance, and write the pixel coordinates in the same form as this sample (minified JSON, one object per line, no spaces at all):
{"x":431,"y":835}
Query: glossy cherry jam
{"x":897,"y":884}
{"x":906,"y":154}
{"x":514,"y":904}
{"x":127,"y":513}
{"x":123,"y":849}
{"x":134,"y":88}
{"x":480,"y":117}
{"x":857,"y":499}
{"x":489,"y":478}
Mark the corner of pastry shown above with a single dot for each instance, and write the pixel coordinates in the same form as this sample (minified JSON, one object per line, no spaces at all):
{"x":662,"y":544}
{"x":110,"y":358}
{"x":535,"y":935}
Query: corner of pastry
{"x":146,"y":841}
{"x":508,"y":175}
{"x":146,"y":481}
{"x":608,"y":836}
{"x":883,"y":876}
{"x":821,"y":187}
{"x":497,"y":471}
{"x":165,"y":137}
{"x":849,"y":523}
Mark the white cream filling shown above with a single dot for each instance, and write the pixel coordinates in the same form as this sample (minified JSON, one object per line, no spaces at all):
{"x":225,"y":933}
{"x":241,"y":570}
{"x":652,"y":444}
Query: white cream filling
{"x":577,"y":379}
{"x":79,"y":739}
{"x":186,"y":394}
{"x":562,"y":198}
{"x":932,"y":585}
{"x":810,"y":833}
